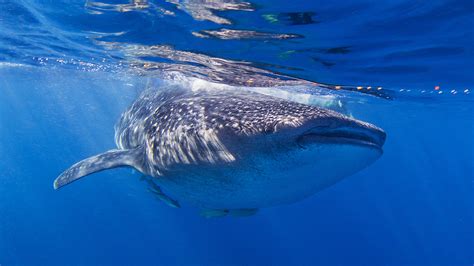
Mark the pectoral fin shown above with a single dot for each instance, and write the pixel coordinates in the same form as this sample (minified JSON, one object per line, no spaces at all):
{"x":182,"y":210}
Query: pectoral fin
{"x":100,"y":162}
{"x":163,"y":197}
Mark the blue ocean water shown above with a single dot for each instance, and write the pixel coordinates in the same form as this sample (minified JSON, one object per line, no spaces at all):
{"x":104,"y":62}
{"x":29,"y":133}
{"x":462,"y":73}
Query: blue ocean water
{"x":69,"y":69}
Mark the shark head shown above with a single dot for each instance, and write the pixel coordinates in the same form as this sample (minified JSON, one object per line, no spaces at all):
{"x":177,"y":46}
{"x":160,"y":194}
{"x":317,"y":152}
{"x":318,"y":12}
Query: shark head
{"x":300,"y":148}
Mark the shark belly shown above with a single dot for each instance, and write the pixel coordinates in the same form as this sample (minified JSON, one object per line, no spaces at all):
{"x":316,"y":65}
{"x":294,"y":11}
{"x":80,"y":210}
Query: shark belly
{"x":268,"y":180}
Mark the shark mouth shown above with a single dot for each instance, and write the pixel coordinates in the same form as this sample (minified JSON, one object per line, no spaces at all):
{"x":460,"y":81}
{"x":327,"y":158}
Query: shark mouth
{"x":358,"y":134}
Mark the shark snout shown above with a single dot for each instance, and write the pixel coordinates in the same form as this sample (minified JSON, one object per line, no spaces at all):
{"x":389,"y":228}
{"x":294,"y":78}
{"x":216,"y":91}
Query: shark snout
{"x":342,"y":129}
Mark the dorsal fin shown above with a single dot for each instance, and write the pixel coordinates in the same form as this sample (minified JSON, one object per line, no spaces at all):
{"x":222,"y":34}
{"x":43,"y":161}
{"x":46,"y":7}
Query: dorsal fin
{"x":103,"y":161}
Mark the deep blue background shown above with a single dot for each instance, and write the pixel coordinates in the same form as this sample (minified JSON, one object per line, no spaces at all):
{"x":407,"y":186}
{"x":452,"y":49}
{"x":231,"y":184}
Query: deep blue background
{"x":413,"y":206}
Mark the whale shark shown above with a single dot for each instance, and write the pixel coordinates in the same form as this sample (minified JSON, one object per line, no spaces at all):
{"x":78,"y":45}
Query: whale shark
{"x":232,"y":151}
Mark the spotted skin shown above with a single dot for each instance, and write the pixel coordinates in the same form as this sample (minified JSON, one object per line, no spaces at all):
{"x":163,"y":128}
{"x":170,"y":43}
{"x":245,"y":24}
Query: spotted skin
{"x":184,"y":127}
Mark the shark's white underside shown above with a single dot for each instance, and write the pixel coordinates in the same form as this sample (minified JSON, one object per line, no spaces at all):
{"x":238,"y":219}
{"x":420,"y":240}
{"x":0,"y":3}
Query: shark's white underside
{"x":268,"y":180}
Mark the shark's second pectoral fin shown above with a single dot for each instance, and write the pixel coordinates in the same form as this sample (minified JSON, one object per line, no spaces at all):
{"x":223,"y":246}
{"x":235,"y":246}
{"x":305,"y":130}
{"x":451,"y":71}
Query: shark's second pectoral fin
{"x":211,"y":213}
{"x":100,"y":162}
